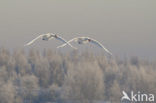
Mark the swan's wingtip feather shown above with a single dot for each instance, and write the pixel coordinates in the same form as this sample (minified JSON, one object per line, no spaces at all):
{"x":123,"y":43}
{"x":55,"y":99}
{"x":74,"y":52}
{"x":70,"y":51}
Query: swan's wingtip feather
{"x":26,"y":45}
{"x":59,"y":47}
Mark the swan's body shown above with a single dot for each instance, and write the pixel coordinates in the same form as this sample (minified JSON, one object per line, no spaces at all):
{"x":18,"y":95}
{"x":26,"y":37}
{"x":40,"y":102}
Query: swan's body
{"x":47,"y":37}
{"x":84,"y":40}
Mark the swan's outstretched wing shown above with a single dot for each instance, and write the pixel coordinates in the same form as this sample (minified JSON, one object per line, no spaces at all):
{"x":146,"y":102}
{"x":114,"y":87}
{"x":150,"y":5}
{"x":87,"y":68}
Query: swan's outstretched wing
{"x":40,"y":36}
{"x":67,"y":43}
{"x":99,"y":44}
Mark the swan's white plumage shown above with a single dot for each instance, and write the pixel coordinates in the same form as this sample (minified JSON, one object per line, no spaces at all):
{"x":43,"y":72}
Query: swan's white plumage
{"x":31,"y":42}
{"x":74,"y":39}
{"x":49,"y":36}
{"x":65,"y":42}
{"x":83,"y":40}
{"x":100,"y":45}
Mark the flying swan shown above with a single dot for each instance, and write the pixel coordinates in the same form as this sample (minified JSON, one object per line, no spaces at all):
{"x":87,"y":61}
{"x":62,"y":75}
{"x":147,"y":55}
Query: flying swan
{"x":84,"y":40}
{"x":47,"y":37}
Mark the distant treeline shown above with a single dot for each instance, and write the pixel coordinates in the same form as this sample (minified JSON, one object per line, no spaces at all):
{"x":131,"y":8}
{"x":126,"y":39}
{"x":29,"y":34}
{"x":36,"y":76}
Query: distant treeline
{"x":51,"y":77}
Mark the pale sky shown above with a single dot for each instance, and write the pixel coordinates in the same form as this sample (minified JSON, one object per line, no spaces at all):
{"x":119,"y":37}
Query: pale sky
{"x":125,"y":27}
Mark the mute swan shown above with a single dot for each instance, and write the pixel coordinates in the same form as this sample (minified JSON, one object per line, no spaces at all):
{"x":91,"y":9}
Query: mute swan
{"x":84,"y":40}
{"x":47,"y":37}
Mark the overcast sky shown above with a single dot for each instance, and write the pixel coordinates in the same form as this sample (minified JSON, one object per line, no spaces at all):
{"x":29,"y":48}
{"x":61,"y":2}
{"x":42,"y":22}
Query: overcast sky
{"x":125,"y":27}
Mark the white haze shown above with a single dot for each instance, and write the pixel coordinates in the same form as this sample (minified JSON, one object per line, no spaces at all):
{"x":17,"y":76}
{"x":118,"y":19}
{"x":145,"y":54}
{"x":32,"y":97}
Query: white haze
{"x":125,"y":27}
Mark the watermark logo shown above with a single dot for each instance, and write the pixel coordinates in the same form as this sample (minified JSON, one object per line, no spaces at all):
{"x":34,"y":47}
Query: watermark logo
{"x":138,"y":97}
{"x":125,"y":96}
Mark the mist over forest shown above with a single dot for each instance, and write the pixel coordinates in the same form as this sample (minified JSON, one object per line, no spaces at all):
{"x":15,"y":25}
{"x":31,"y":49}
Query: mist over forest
{"x":52,"y":77}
